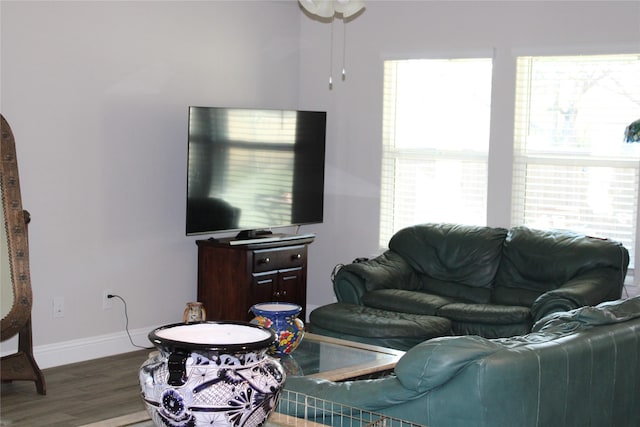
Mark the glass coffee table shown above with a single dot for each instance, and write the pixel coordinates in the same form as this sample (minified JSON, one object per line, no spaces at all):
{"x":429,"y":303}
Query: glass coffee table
{"x":335,"y":359}
{"x":317,"y":356}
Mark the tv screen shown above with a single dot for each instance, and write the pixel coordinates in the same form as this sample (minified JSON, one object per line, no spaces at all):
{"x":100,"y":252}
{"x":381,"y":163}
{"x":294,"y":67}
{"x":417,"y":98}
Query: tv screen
{"x":254,"y":169}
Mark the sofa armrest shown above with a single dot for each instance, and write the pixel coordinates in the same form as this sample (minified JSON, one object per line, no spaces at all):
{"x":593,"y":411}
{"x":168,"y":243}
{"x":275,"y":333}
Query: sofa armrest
{"x":387,"y":271}
{"x":606,"y":313}
{"x":349,"y":286}
{"x":587,"y":289}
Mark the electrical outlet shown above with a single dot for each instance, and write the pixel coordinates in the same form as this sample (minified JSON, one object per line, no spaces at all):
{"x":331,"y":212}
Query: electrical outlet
{"x":107,"y":303}
{"x":58,"y":307}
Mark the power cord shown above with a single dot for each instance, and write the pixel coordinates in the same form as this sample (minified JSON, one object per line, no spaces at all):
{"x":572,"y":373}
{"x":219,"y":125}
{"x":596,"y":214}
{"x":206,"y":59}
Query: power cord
{"x":126,"y":316}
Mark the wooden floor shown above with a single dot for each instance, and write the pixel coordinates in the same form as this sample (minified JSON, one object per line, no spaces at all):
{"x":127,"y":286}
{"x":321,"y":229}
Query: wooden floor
{"x":77,"y":394}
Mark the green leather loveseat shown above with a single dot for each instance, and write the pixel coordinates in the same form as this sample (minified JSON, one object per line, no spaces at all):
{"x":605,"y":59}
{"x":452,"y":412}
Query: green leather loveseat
{"x":486,"y":281}
{"x":577,"y":368}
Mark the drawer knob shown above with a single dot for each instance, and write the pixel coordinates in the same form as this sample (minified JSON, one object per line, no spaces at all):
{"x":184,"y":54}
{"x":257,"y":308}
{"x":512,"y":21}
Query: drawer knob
{"x":296,"y":256}
{"x":265,"y":260}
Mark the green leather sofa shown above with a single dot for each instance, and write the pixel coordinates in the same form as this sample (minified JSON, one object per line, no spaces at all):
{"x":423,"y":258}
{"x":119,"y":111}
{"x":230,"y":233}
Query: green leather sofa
{"x":577,"y":368}
{"x":487,"y":281}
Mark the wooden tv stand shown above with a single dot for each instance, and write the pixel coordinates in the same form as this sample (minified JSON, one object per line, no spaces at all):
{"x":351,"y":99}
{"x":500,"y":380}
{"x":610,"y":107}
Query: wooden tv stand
{"x":234,"y":275}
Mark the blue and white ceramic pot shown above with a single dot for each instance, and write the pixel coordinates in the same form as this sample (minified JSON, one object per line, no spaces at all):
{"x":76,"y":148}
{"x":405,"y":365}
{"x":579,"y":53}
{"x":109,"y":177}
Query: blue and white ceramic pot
{"x":211,"y":373}
{"x":282,"y":318}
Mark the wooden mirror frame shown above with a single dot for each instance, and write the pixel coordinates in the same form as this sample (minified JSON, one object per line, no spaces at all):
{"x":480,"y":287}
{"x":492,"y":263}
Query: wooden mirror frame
{"x":16,"y":228}
{"x":21,"y":365}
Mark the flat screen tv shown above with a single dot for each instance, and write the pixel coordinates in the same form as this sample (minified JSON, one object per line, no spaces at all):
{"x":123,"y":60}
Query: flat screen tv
{"x":251,"y":170}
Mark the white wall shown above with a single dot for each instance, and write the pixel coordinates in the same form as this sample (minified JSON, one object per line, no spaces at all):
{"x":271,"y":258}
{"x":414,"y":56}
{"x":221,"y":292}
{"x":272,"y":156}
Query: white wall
{"x":96,"y":93}
{"x":415,"y":29}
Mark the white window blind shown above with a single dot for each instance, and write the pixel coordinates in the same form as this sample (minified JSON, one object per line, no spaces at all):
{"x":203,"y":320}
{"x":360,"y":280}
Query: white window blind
{"x":435,"y":142}
{"x":572,"y":169}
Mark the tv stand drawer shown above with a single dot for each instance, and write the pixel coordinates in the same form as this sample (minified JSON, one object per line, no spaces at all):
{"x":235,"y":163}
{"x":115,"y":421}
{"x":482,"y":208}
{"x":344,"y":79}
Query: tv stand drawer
{"x":279,"y":258}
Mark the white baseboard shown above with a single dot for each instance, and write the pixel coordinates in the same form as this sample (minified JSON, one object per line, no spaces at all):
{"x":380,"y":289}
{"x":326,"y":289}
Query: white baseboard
{"x":80,"y":350}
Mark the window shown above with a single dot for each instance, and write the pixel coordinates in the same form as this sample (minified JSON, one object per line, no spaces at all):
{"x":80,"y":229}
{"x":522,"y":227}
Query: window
{"x":435,"y":142}
{"x":572,"y":169}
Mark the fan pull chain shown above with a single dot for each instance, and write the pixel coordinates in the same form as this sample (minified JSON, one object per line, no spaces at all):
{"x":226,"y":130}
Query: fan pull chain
{"x":344,"y":50}
{"x":331,"y":58}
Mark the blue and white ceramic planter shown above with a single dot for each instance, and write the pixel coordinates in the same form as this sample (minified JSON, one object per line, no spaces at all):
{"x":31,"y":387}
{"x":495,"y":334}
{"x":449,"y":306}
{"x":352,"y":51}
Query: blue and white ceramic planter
{"x":281,"y":318}
{"x":211,"y":373}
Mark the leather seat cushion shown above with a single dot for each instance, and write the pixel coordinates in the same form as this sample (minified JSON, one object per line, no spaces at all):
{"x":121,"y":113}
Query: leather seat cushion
{"x":406,"y":301}
{"x":490,"y":330}
{"x":486,"y":313}
{"x":364,"y":321}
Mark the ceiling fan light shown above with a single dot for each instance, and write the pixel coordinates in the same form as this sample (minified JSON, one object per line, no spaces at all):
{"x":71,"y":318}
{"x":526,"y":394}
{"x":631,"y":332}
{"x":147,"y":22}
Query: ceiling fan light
{"x":328,"y":8}
{"x":322,"y":8}
{"x":348,"y":7}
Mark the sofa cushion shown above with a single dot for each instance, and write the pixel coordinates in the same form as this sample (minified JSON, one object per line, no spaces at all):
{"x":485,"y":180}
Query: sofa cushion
{"x":458,"y":291}
{"x":514,"y":296}
{"x":488,"y":330}
{"x":468,"y":255}
{"x":540,"y":261}
{"x":370,"y":322}
{"x":405,"y":301}
{"x":486,"y":313}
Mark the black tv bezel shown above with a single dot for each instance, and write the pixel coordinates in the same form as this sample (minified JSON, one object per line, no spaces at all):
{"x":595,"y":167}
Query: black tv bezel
{"x":260,"y":230}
